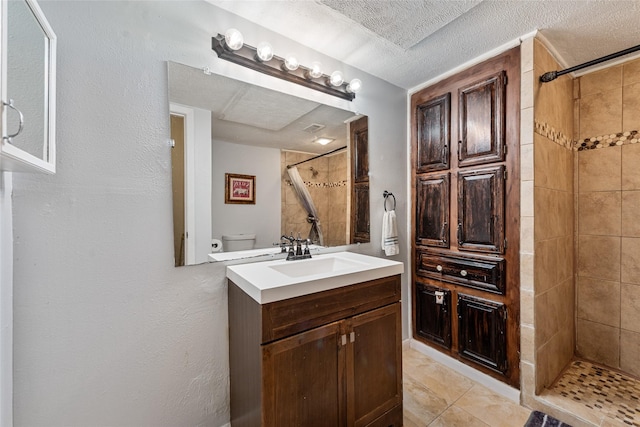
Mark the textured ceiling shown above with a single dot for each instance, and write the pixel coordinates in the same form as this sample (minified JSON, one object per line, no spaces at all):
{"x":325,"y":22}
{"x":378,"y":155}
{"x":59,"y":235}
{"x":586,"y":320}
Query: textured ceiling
{"x":412,"y":21}
{"x":408,"y":43}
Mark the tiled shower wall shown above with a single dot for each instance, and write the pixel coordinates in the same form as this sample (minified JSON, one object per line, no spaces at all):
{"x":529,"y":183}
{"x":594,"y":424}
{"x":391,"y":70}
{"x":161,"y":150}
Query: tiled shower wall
{"x":326,"y":180}
{"x":553,"y":189}
{"x":608,"y":210}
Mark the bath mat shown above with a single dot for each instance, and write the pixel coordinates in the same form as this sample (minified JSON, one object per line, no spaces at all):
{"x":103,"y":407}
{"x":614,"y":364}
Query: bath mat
{"x":540,"y":419}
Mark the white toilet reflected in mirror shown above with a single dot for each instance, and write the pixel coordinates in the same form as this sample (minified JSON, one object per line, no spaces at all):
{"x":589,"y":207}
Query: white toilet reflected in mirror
{"x":238,"y":242}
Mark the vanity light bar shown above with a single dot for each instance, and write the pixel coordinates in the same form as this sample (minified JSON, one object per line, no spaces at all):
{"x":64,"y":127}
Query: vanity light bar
{"x":275,"y":66}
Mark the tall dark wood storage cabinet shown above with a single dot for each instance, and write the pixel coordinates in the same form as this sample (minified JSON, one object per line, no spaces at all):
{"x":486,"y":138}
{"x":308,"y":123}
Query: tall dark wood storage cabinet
{"x":359,"y":139}
{"x":466,"y":191}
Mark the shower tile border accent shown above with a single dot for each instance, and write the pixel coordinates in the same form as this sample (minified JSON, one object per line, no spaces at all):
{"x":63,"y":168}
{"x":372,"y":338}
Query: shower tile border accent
{"x":550,"y":132}
{"x":601,"y":390}
{"x":609,"y":140}
{"x":310,"y":184}
{"x":594,"y":142}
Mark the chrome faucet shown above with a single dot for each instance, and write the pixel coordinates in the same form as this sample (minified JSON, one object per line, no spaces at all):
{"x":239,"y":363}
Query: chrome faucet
{"x":295,"y":247}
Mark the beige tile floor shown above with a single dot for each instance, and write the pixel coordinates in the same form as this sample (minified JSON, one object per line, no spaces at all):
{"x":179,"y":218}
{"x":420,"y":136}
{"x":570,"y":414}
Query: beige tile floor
{"x":437,"y":396}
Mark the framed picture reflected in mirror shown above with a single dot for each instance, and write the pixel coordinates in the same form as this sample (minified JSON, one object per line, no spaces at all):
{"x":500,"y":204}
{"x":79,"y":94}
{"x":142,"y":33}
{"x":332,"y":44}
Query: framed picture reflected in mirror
{"x":239,"y":189}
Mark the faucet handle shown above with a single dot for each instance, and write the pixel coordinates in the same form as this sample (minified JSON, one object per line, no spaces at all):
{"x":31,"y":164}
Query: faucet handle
{"x":298,"y":245}
{"x":307,"y":252}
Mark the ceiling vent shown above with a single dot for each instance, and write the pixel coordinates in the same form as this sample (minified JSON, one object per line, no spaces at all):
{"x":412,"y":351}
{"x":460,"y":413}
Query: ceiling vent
{"x":313,"y":128}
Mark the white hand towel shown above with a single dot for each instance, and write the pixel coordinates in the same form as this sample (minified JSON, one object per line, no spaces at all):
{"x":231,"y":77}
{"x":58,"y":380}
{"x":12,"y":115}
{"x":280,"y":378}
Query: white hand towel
{"x":390,"y":234}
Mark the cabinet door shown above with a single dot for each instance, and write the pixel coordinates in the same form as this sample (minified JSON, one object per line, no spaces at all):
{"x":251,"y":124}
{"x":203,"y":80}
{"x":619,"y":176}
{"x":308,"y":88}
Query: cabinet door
{"x":360,"y":224}
{"x":433,"y":122}
{"x":359,"y":135}
{"x":482,"y":120}
{"x":432,"y":210}
{"x":481,"y":332}
{"x":374,"y":365}
{"x":433,"y":314}
{"x":481,"y":210}
{"x":302,"y":377}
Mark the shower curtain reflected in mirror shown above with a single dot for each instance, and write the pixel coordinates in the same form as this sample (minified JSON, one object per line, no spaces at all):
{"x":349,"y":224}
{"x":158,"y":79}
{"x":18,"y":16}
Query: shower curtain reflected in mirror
{"x":315,"y":233}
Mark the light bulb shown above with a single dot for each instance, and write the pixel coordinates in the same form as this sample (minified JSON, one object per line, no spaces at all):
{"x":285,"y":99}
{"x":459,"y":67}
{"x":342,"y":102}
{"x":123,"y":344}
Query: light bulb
{"x":315,"y":71}
{"x":291,"y":63}
{"x":354,"y":86}
{"x":264,"y":51}
{"x":234,"y":39}
{"x":336,"y":78}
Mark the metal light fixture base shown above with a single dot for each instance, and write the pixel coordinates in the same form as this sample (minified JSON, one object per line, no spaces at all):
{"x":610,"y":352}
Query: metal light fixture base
{"x":245,"y":56}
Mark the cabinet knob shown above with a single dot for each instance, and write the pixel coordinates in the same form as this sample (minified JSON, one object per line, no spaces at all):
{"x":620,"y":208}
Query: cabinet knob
{"x":439,"y":268}
{"x":463,"y":273}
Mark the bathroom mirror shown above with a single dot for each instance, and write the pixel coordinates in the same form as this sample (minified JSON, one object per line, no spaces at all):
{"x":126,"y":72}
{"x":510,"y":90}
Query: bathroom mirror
{"x":228,"y":133}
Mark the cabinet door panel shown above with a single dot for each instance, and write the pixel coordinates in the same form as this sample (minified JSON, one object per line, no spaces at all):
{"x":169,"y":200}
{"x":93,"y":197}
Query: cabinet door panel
{"x":302,"y":377}
{"x":360,"y":224}
{"x":433,"y":319}
{"x":360,"y":149}
{"x":481,"y":210}
{"x":481,"y":332}
{"x":482,"y":120}
{"x":377,"y":364}
{"x":433,"y":121}
{"x":432,"y":210}
{"x":359,"y":145}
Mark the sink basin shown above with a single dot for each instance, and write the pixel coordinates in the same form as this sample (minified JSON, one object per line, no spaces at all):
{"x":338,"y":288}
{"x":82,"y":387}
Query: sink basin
{"x":277,"y":280}
{"x":315,"y":266}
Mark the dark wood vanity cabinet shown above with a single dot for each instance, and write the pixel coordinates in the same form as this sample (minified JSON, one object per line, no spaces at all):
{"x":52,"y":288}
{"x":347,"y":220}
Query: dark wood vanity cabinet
{"x":331,"y":358}
{"x":465,"y":221}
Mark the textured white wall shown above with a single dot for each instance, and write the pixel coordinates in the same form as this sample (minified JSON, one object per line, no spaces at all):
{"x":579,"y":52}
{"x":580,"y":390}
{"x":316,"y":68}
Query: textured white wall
{"x":106,"y":330}
{"x":261,"y":219}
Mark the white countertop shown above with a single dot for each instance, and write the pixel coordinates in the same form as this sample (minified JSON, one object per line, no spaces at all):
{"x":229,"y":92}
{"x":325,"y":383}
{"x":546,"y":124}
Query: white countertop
{"x":280,"y":279}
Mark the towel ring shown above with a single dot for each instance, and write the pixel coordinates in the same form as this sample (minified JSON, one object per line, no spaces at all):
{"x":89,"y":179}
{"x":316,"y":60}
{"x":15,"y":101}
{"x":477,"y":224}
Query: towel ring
{"x":386,"y":195}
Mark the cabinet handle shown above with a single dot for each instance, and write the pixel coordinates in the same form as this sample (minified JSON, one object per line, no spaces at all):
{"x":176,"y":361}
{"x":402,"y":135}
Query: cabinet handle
{"x":352,"y":337}
{"x":439,"y":267}
{"x":463,"y":273}
{"x":343,"y":339}
{"x":443,"y":235}
{"x":459,"y":233}
{"x":444,"y":154}
{"x":20,"y":127}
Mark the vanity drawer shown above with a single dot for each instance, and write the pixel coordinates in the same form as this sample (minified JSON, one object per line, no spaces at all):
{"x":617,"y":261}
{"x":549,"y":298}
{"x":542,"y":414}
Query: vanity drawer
{"x":287,"y":317}
{"x":485,"y":273}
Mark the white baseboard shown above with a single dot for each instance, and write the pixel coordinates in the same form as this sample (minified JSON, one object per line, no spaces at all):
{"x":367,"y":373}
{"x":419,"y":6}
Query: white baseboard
{"x":477,"y":376}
